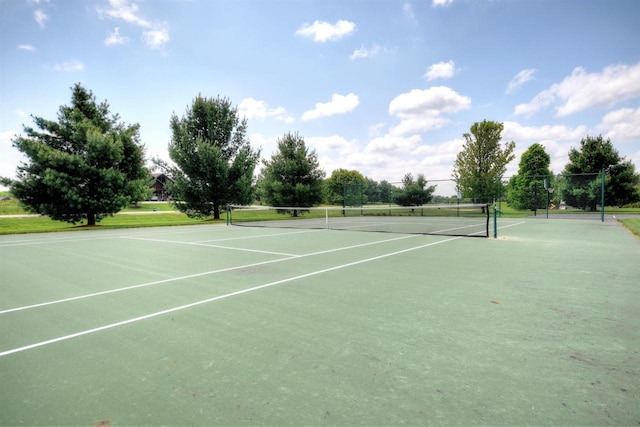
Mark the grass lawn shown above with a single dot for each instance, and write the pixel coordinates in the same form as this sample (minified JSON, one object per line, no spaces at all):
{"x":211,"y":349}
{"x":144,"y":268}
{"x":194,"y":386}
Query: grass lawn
{"x":39,"y":224}
{"x":633,"y":224}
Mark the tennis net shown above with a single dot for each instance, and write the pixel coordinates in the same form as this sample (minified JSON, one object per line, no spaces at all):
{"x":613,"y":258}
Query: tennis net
{"x":450,"y":220}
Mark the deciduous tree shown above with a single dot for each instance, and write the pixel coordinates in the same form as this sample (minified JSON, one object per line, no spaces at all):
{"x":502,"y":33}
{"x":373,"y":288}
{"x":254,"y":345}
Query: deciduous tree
{"x":482,"y":161}
{"x":594,"y":155}
{"x":346,"y":188}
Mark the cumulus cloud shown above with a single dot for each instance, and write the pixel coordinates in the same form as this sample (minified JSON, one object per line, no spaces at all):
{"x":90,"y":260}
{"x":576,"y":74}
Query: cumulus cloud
{"x":519,"y":79}
{"x":515,"y":131}
{"x":421,"y":110}
{"x":115,"y":38}
{"x":321,"y":31}
{"x":441,"y":70}
{"x":69,"y":66}
{"x":443,"y":3}
{"x":557,"y":141}
{"x":155,"y":34}
{"x":339,"y":104}
{"x":582,"y":90}
{"x":125,"y":10}
{"x":27,"y":47}
{"x":40,"y":17}
{"x":254,"y":109}
{"x":623,"y":124}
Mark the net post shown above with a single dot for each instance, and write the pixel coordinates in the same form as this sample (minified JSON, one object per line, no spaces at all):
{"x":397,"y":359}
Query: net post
{"x":495,"y":221}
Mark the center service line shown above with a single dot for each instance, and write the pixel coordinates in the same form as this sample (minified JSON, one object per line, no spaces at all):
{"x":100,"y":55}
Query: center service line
{"x":220,"y":297}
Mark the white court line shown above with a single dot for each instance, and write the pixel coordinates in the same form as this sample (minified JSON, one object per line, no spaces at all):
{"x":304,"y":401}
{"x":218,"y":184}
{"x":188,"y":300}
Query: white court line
{"x":191,"y":276}
{"x":79,"y":236}
{"x":207,"y":245}
{"x":220,"y":297}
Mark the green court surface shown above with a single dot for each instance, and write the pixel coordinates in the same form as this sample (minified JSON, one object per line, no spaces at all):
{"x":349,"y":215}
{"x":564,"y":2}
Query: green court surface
{"x":224,"y":325}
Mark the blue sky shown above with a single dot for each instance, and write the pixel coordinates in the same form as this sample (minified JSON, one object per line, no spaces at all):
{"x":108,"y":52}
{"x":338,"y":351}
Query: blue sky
{"x":386,"y":87}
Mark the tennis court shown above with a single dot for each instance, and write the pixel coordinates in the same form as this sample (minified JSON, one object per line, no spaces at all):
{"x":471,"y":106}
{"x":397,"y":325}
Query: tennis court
{"x":227,"y":325}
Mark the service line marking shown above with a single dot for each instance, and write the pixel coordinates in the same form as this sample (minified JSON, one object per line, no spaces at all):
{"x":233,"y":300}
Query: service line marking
{"x":208,"y":245}
{"x":191,"y":276}
{"x":217,"y":298}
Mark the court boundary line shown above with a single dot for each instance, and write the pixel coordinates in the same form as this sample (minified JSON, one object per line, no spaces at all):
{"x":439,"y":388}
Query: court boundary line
{"x":208,"y":246}
{"x":217,"y":298}
{"x":206,"y":273}
{"x":191,"y":276}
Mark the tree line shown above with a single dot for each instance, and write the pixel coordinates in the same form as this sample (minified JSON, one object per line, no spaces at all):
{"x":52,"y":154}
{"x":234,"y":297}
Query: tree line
{"x":88,"y":164}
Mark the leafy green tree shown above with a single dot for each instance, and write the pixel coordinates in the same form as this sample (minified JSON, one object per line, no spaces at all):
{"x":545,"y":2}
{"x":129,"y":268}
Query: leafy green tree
{"x":387,"y":192}
{"x":414,"y":192}
{"x":372,"y":191}
{"x":86,"y":165}
{"x":292,"y":178}
{"x":527,"y":189}
{"x":594,"y":155}
{"x":482,"y":161}
{"x":346,"y":188}
{"x":213,"y":161}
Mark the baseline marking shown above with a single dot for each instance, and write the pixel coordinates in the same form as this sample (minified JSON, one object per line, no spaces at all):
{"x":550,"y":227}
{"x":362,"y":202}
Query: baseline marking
{"x":220,"y":297}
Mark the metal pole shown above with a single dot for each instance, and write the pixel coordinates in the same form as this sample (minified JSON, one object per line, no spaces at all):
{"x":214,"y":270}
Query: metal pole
{"x":602,"y":198}
{"x":546,"y":188}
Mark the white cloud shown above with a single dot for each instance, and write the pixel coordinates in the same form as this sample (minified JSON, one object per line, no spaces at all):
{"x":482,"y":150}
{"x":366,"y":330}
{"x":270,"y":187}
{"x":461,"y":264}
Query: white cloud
{"x":517,"y":132}
{"x":69,"y":66}
{"x":443,"y":3}
{"x":364,"y":52}
{"x":115,"y":38}
{"x":339,"y":104}
{"x":441,"y":70}
{"x":155,"y":39}
{"x":125,"y":10}
{"x":27,"y":47}
{"x":581,"y":91}
{"x":321,"y":31}
{"x":519,"y":79}
{"x":40,"y":17}
{"x":337,"y":145}
{"x":557,"y":141}
{"x":155,"y":35}
{"x":254,"y":109}
{"x":393,"y":143}
{"x":621,"y":124}
{"x":422,"y":110}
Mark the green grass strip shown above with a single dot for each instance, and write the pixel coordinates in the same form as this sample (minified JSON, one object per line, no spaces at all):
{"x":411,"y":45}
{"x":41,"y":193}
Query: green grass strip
{"x":39,"y":224}
{"x":633,"y":224}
